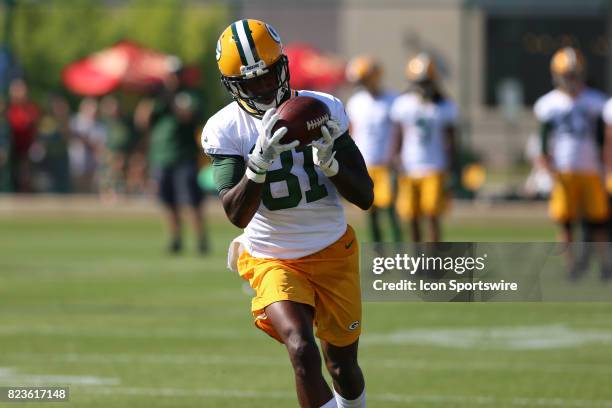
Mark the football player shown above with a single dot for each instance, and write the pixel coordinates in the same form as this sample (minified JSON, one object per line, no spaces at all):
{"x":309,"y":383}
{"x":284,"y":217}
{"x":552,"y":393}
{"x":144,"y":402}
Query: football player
{"x":297,"y":252}
{"x":607,"y":160}
{"x":571,"y":124}
{"x":370,"y":124}
{"x":425,"y":125}
{"x":607,"y":116}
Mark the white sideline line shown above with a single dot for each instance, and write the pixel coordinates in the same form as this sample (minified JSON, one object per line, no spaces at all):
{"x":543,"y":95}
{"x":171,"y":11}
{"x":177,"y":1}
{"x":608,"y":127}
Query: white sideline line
{"x":178,"y":359}
{"x":536,"y":337}
{"x":387,"y":397}
{"x":132,"y":333}
{"x":11,"y":376}
{"x":425,"y":365}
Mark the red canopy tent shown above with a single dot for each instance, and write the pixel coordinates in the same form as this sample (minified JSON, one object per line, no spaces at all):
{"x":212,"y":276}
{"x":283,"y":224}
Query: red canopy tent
{"x":125,"y":65}
{"x":311,"y":69}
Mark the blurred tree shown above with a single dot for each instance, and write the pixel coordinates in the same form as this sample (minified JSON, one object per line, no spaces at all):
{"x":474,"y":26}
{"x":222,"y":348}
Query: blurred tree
{"x":49,"y":34}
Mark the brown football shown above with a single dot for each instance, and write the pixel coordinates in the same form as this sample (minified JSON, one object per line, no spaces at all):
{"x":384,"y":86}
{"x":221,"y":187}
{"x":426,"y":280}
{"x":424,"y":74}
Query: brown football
{"x":303,"y":116}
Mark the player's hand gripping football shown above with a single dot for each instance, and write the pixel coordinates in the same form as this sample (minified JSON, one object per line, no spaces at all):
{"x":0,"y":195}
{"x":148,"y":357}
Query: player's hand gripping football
{"x":267,"y":148}
{"x":323,"y":153}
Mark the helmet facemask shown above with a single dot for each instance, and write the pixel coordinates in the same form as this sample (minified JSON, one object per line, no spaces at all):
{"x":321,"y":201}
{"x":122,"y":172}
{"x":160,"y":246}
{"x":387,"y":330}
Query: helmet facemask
{"x":570,"y":82}
{"x":568,"y":70}
{"x":428,"y":89}
{"x":258,"y":93}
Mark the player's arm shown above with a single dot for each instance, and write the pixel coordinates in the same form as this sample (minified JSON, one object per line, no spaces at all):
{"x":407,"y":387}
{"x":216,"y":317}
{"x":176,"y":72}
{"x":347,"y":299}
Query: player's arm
{"x":600,"y":138}
{"x":353,"y":181}
{"x":342,"y":162}
{"x":240,"y":184}
{"x":544,"y":157}
{"x":240,"y":195}
{"x":608,"y":149}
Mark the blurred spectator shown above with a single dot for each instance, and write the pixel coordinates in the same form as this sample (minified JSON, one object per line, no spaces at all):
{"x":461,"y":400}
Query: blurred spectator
{"x":51,"y":147}
{"x":174,"y":124}
{"x":23,"y":116}
{"x":86,"y":146}
{"x":119,"y":143}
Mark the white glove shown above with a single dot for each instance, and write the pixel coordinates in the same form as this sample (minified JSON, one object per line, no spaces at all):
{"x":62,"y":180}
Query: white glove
{"x":267,"y":148}
{"x":323,"y":153}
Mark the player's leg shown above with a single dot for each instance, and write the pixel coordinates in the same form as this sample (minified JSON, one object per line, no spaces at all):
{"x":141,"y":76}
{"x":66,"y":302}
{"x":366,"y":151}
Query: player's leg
{"x":196,"y":198}
{"x":382,"y":198}
{"x":433,"y":202}
{"x":406,"y":204}
{"x":563,"y":204}
{"x":392,"y":210}
{"x":167,"y":196}
{"x":566,"y":232}
{"x":415,"y":229}
{"x":563,"y":209}
{"x":414,"y":209}
{"x":338,"y":316}
{"x":349,"y":384}
{"x":374,"y":224}
{"x":293,"y":322}
{"x":434,"y":229}
{"x":396,"y":229}
{"x":594,"y":206}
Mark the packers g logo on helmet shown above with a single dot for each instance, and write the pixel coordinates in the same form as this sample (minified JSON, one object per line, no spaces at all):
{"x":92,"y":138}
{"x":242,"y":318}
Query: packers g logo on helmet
{"x":253,"y":66}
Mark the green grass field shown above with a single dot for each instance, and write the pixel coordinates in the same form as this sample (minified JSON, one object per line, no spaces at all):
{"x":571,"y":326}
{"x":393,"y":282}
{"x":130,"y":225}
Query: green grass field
{"x":94,"y":303}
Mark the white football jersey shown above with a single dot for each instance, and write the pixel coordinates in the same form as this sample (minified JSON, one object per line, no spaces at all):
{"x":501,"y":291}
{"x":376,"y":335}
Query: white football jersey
{"x":424,"y":127}
{"x":371,"y":125}
{"x":607,"y":112}
{"x":573,"y":122}
{"x":300,"y":212}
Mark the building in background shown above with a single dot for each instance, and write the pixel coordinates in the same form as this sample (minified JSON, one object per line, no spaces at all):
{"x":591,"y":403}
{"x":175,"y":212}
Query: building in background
{"x":494,"y":54}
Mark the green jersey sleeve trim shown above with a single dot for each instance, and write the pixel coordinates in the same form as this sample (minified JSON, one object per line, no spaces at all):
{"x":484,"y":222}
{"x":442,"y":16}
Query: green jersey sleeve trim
{"x":545,"y":129}
{"x":227,"y":171}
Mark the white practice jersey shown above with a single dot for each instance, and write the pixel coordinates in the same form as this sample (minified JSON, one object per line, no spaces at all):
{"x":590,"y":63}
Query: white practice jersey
{"x":607,"y":112}
{"x":300,"y":212}
{"x":424,"y":126}
{"x":572,"y":128}
{"x":371,"y":125}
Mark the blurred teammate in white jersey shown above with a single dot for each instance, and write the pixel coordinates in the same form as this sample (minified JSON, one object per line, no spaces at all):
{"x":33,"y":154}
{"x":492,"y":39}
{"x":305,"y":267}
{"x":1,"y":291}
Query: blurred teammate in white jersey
{"x":369,"y":112}
{"x":607,"y":156}
{"x":425,"y":126}
{"x":571,"y":139}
